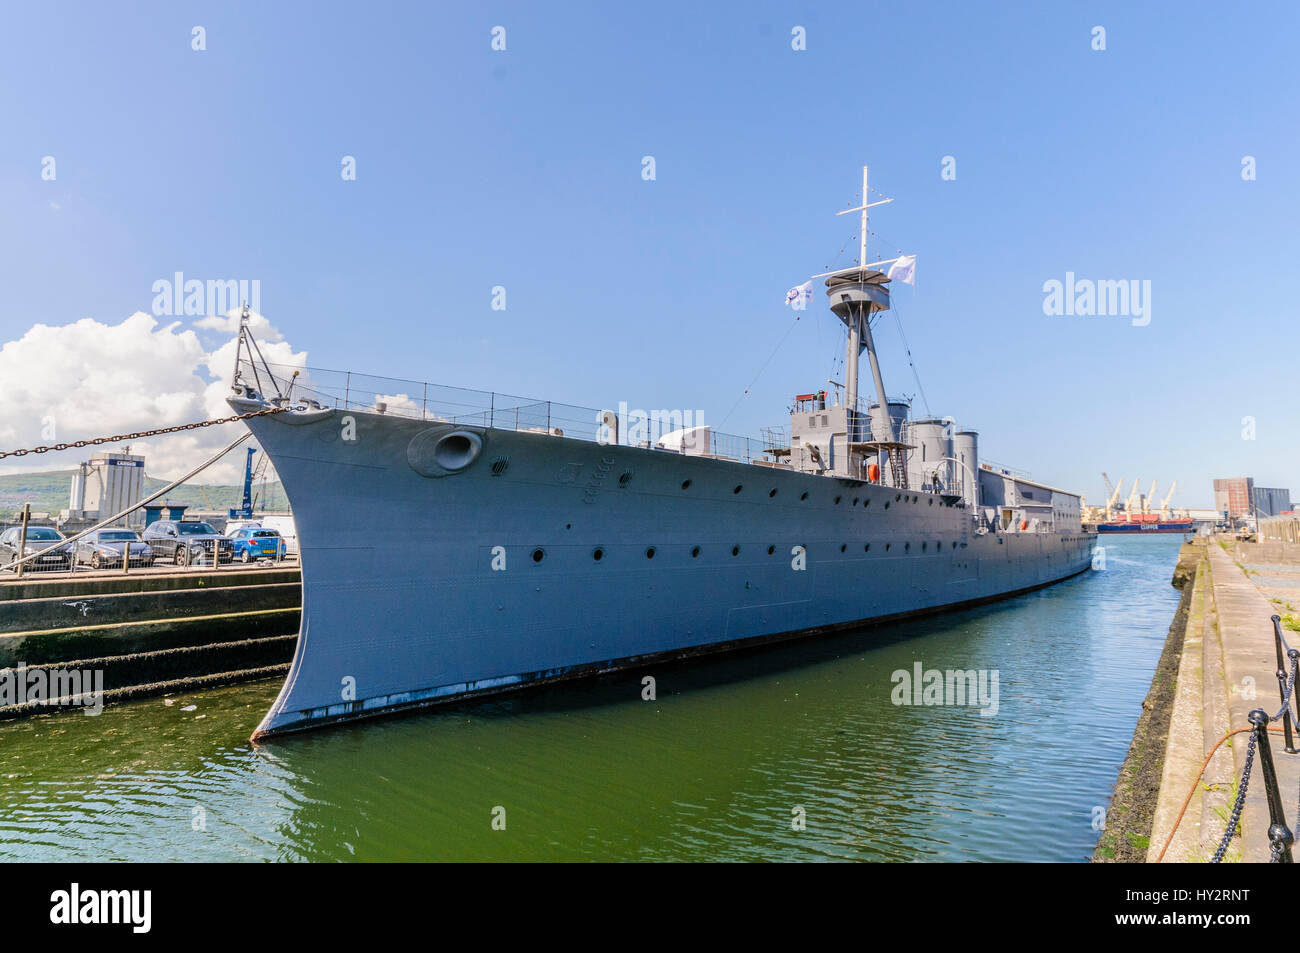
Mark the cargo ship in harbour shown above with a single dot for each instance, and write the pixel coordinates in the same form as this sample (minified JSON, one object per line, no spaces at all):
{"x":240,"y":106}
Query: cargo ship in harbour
{"x":1139,"y":513}
{"x":1142,"y":525}
{"x":528,"y":541}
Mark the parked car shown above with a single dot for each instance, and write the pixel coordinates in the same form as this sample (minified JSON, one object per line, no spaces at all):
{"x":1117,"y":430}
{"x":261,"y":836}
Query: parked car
{"x":254,"y":542}
{"x":40,"y":539}
{"x":104,"y":547}
{"x":187,"y":542}
{"x":282,"y":524}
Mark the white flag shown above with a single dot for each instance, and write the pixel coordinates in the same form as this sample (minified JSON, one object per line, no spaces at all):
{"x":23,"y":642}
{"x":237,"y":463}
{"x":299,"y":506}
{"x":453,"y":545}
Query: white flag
{"x":799,"y":296}
{"x":903,"y":270}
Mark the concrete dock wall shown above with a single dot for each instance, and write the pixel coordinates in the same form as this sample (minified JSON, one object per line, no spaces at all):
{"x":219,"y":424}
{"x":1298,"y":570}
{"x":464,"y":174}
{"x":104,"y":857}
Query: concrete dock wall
{"x":151,"y":633}
{"x":1227,"y":668}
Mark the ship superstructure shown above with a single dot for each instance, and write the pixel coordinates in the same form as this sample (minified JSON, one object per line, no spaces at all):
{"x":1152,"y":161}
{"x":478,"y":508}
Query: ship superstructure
{"x":527,"y":541}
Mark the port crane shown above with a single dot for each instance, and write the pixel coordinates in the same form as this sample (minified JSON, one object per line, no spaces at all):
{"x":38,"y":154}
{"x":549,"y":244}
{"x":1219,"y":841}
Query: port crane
{"x":245,"y":510}
{"x":1112,"y":497}
{"x":1149,"y":498}
{"x":1164,"y":506}
{"x":1131,"y":503}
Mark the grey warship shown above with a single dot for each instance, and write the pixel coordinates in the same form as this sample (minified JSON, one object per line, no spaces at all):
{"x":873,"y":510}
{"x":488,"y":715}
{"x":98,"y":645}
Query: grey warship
{"x":526,"y":542}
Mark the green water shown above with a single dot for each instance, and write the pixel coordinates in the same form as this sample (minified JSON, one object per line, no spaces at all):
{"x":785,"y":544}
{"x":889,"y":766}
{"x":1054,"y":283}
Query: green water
{"x":713,"y":768}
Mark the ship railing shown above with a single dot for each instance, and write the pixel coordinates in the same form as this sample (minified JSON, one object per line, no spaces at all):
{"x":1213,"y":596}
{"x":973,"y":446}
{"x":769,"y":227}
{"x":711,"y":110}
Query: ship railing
{"x":345,"y":390}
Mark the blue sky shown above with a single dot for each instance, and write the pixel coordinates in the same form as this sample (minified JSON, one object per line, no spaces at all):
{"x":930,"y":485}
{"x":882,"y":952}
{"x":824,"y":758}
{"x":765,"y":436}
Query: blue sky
{"x":522,"y":168}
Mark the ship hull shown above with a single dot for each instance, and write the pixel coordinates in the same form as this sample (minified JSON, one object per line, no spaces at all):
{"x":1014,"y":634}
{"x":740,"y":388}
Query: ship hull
{"x":1173,"y":526}
{"x":551,"y":558}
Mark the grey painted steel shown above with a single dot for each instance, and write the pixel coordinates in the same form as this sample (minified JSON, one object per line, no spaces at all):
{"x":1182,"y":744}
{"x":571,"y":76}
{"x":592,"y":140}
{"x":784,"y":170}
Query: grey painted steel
{"x":882,"y":429}
{"x":966,"y":448}
{"x":932,"y":438}
{"x":417,"y":613}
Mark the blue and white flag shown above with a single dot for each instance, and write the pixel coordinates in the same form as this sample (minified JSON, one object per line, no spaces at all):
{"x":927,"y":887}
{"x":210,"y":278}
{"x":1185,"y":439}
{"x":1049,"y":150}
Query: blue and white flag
{"x":799,"y":296}
{"x":903,"y":270}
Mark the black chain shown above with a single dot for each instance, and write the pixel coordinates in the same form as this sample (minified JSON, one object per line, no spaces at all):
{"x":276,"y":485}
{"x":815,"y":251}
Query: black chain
{"x":1239,"y":804}
{"x":119,"y":438}
{"x":1290,"y":686}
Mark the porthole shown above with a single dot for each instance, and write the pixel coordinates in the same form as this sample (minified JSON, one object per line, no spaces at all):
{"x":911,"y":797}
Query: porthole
{"x":598,"y":554}
{"x":923,"y":546}
{"x":686,"y":484}
{"x":907,"y":547}
{"x":954,"y":544}
{"x":930,"y":501}
{"x":739,"y":487}
{"x":843,"y":546}
{"x":888,"y":546}
{"x":695,"y":552}
{"x":886,"y":504}
{"x":735,"y":550}
{"x":856,"y":499}
{"x":650,"y":553}
{"x":837,"y":501}
{"x":803,"y":495}
{"x":868,"y":502}
{"x":771,"y":550}
{"x":866,"y":547}
{"x":538,"y":555}
{"x":624,"y":478}
{"x":897,"y":497}
{"x":771,"y":493}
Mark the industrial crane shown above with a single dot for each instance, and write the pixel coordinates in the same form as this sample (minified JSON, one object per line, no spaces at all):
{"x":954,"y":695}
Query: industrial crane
{"x":1131,"y":503}
{"x":1164,"y":506}
{"x":245,"y":510}
{"x":1149,"y":498}
{"x":1113,"y":498}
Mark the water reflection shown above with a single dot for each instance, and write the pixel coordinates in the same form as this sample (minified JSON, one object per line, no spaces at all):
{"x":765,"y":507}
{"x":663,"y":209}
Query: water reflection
{"x":716,"y":767}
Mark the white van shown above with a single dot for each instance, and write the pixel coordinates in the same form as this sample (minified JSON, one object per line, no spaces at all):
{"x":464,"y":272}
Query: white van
{"x":281,"y":524}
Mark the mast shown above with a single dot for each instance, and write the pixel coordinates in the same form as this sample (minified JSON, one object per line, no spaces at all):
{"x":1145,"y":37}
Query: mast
{"x":857,"y":316}
{"x":855,"y":294}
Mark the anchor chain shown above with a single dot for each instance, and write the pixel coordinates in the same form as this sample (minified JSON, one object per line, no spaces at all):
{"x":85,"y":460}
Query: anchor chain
{"x":119,"y":438}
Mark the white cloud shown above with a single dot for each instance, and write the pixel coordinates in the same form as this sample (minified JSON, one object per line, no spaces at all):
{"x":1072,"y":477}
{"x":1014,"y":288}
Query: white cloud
{"x":88,"y":379}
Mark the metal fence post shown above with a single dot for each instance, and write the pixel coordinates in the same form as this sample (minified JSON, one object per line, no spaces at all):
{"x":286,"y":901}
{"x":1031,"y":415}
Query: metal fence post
{"x":1279,"y":835}
{"x":1281,"y":682}
{"x":22,"y":541}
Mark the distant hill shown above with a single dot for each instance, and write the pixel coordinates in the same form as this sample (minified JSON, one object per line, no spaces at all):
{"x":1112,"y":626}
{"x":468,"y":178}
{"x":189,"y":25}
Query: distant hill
{"x":48,"y":492}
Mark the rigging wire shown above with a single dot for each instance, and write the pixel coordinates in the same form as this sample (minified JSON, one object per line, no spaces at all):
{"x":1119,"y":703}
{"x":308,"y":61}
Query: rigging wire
{"x":759,"y":373}
{"x":908,"y":350}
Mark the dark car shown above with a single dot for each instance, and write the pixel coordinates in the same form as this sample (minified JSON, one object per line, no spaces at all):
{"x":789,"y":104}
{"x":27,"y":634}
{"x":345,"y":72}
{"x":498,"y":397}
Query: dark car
{"x":40,"y":539}
{"x":187,"y":542}
{"x":104,"y":548}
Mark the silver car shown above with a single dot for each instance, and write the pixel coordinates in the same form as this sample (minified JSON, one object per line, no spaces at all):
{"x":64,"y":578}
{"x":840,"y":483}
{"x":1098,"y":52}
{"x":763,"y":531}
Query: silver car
{"x":40,"y":539}
{"x":104,"y":547}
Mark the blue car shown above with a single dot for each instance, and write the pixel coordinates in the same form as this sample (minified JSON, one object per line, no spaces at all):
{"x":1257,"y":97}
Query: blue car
{"x":253,"y":542}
